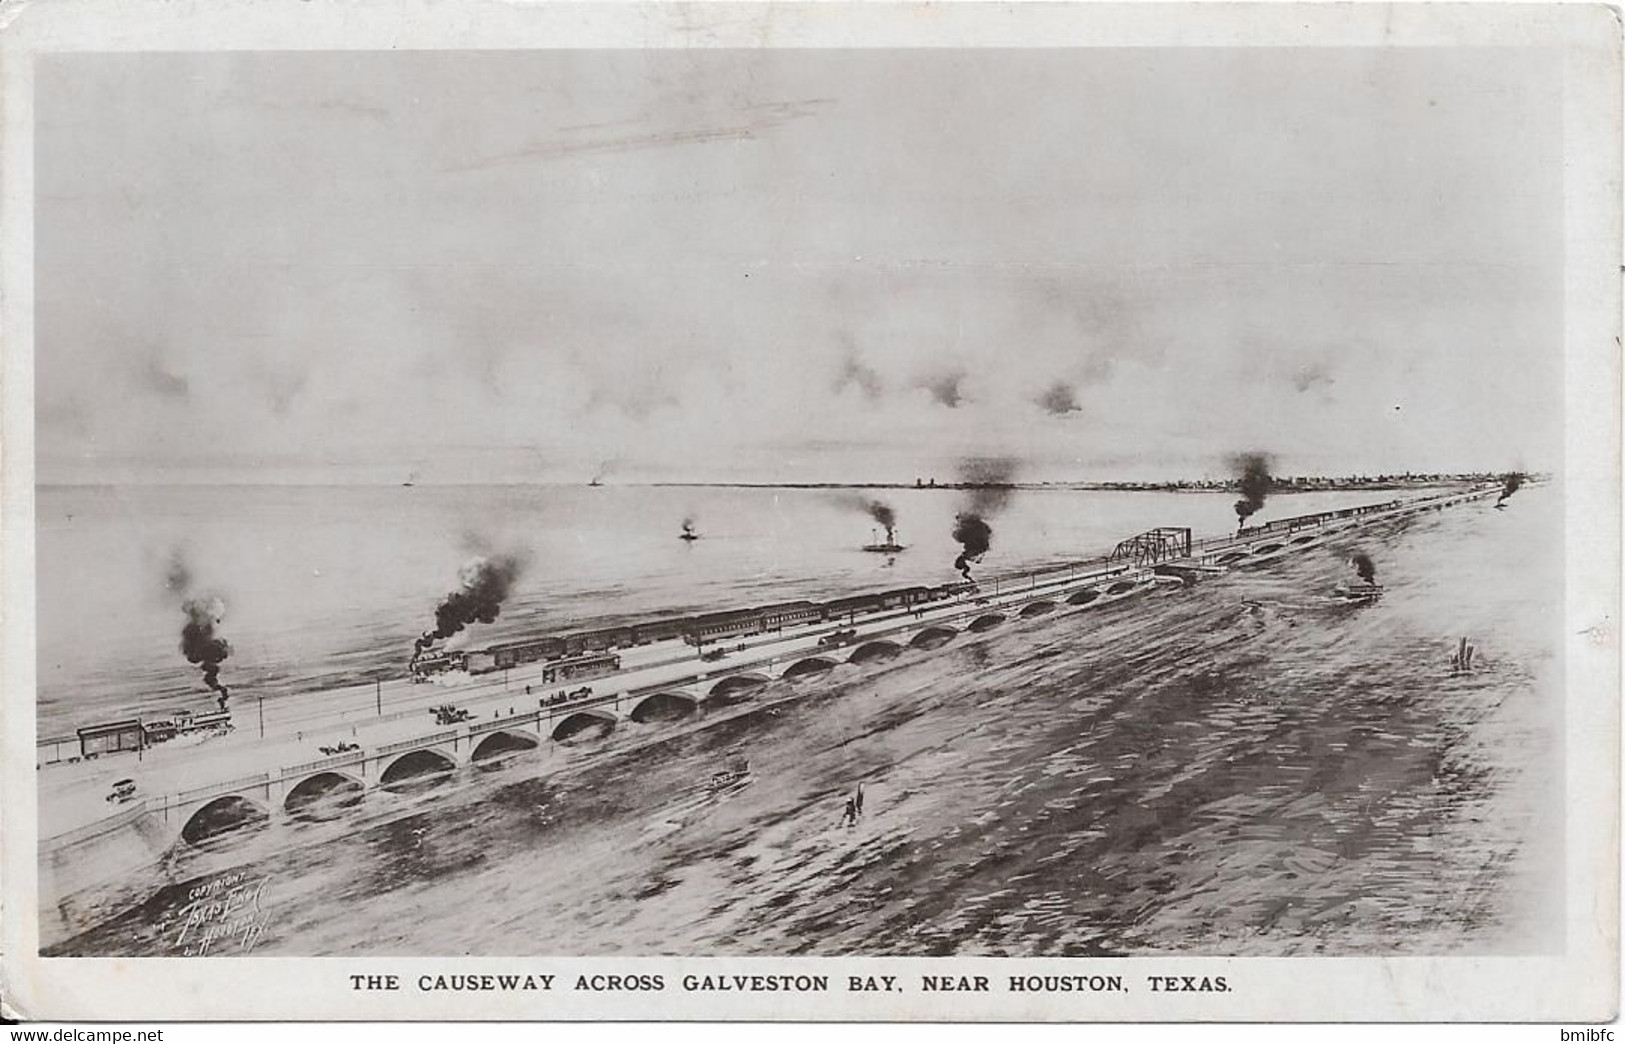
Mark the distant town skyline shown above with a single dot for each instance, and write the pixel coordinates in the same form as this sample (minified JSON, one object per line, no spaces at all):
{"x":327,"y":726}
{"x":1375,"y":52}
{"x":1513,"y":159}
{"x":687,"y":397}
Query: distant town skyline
{"x":795,"y":266}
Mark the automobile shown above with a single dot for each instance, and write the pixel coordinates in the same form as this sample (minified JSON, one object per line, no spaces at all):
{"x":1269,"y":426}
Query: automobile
{"x":839,"y":638}
{"x":123,"y":790}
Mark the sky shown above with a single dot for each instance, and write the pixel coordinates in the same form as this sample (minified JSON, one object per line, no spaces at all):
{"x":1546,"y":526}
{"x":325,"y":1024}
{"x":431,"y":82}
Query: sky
{"x":784,"y":265}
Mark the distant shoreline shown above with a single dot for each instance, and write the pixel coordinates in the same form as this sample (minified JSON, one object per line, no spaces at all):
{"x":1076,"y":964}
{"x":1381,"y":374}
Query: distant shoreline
{"x":1329,"y":486}
{"x":1170,"y":486}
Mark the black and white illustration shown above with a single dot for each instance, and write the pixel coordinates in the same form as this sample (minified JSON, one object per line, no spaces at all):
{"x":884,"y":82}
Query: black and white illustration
{"x":777,"y":502}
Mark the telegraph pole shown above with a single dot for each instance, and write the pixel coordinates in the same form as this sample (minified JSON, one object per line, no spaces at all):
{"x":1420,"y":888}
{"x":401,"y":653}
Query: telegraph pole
{"x":261,"y":702}
{"x":378,"y":695}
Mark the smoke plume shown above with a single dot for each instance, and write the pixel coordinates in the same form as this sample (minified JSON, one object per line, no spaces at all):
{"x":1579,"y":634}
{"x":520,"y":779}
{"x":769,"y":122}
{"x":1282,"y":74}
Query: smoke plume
{"x":987,"y":482}
{"x":202,"y":645}
{"x":1364,"y":566}
{"x":1511,"y":482}
{"x":878,"y":510}
{"x":1253,"y":479}
{"x":945,"y":388}
{"x":1059,"y":399}
{"x":855,"y":373}
{"x":200,"y":642}
{"x":483,"y":585}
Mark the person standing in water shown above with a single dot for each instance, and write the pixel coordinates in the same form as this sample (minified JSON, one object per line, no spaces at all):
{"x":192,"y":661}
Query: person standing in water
{"x":850,"y":816}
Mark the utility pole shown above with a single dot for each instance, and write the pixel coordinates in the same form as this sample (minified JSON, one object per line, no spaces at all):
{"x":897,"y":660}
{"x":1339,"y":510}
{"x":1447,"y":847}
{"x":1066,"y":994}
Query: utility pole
{"x":378,"y":695}
{"x":261,"y":700}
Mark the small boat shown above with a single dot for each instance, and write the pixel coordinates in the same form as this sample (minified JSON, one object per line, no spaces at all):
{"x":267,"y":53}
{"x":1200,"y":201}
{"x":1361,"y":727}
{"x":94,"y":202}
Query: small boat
{"x":688,"y":533}
{"x":734,"y":773}
{"x":1358,"y":592}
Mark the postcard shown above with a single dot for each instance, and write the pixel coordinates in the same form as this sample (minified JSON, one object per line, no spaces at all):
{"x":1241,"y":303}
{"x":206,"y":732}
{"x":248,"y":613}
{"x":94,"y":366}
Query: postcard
{"x":909,"y":512}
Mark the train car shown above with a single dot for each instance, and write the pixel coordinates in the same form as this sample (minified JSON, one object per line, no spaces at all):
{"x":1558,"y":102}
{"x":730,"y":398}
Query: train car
{"x":789,"y":614}
{"x":660,"y":630}
{"x":531,"y":650}
{"x":583,"y":642}
{"x":854,"y":605}
{"x":575,"y":668}
{"x":716,"y":627}
{"x":512,"y":654}
{"x":917,"y":595}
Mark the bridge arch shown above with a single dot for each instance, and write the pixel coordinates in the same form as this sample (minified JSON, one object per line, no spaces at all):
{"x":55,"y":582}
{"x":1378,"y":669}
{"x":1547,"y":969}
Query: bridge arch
{"x":417,"y":770}
{"x":737,"y":686}
{"x":664,"y":706}
{"x":985,"y":622}
{"x":584,"y":725}
{"x":1266,"y":549}
{"x":812,"y":665}
{"x":876,"y":651}
{"x":1083,"y":597}
{"x":225,"y":814}
{"x":324,"y":795}
{"x":1038,"y":608}
{"x":499,"y":746}
{"x":1121,"y":587}
{"x":1232,"y":557}
{"x":933,"y":637}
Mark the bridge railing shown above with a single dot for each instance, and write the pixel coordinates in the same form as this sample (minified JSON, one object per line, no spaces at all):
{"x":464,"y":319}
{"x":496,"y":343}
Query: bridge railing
{"x":421,"y":741}
{"x":337,"y":761}
{"x":129,"y":814}
{"x":480,"y":728}
{"x":227,"y":787}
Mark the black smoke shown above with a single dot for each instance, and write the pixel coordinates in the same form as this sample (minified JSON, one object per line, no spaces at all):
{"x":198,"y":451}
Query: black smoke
{"x":988,"y":485}
{"x":1253,"y":479}
{"x":1059,"y":399}
{"x":1511,"y":482}
{"x":975,"y":537}
{"x":1364,"y":566}
{"x":484,"y":584}
{"x":201,"y":643}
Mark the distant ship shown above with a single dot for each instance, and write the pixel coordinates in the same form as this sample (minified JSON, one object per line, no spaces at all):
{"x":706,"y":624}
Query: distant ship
{"x":688,"y":532}
{"x":888,"y":547}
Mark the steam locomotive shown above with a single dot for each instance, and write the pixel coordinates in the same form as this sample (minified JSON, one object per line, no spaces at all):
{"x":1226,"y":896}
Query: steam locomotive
{"x":586,"y":653}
